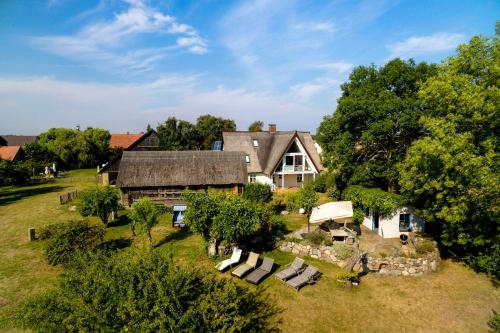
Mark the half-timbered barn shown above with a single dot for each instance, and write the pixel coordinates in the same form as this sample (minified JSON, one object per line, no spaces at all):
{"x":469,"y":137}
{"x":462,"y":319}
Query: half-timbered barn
{"x":164,"y":175}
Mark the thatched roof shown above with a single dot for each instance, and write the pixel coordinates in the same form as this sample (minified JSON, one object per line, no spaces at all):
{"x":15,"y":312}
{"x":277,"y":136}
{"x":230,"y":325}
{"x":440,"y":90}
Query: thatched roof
{"x":272,"y":147}
{"x":19,"y":140}
{"x":181,"y":168}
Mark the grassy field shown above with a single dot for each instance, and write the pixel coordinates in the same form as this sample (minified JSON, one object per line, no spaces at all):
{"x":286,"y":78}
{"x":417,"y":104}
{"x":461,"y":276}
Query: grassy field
{"x":454,"y":299}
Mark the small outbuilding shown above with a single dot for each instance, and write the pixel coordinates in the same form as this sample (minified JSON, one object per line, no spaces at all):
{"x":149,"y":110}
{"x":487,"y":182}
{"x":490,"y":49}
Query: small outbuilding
{"x":163,"y":175}
{"x":401,"y":221}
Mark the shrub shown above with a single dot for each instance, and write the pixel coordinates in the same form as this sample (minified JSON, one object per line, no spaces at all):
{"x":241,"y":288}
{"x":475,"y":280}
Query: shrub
{"x":292,"y":201}
{"x":316,"y":237}
{"x":66,"y":239}
{"x":333,"y":193}
{"x":425,"y":247}
{"x":358,"y":215}
{"x":344,"y":278}
{"x":278,"y":202}
{"x":144,"y":216}
{"x":343,"y":251}
{"x":494,"y":322}
{"x":100,"y":201}
{"x":307,"y":198}
{"x":257,"y":192}
{"x":48,"y":231}
{"x":13,"y":173}
{"x":324,"y":182}
{"x":146,"y":293}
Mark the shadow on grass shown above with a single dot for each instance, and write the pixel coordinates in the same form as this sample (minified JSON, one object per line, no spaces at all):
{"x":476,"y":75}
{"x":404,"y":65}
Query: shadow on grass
{"x":12,"y":195}
{"x":115,"y":244}
{"x":120,"y":221}
{"x":177,"y":235}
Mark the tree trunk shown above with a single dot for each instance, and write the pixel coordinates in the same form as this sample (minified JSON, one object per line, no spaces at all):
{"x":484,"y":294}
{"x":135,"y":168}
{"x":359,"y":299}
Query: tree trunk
{"x":150,"y":238}
{"x":212,"y":247}
{"x":308,"y":216}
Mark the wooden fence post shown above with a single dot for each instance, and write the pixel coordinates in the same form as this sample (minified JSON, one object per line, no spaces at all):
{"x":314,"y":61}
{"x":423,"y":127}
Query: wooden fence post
{"x":31,"y":234}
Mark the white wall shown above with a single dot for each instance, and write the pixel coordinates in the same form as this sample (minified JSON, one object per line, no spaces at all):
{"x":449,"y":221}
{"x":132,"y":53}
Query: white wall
{"x":263,"y":179}
{"x":388,"y":226}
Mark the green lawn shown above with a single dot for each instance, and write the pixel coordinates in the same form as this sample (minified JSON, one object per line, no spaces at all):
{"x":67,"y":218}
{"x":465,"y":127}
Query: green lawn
{"x":455,"y":299}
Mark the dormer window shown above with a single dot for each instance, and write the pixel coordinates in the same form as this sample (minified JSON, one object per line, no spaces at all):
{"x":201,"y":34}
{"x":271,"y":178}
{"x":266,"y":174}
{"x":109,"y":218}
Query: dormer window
{"x":247,"y":158}
{"x":255,"y":143}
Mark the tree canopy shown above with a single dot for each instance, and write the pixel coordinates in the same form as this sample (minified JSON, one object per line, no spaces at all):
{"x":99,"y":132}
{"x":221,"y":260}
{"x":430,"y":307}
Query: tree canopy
{"x":452,"y":174}
{"x":256,"y":126}
{"x":144,"y":216}
{"x":73,"y":148}
{"x":177,"y":134}
{"x":146,"y":292}
{"x":375,"y":122}
{"x":220,"y":216}
{"x":100,"y":201}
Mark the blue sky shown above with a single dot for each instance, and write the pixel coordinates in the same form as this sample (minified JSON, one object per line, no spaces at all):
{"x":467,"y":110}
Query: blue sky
{"x":123,"y":64}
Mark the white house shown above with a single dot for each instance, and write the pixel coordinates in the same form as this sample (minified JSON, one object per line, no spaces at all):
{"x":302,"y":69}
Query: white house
{"x":281,"y":159}
{"x":401,"y":221}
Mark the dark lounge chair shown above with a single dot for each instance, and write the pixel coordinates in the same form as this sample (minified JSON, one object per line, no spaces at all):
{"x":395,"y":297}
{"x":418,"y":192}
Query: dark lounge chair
{"x":261,"y":271}
{"x":294,"y":268}
{"x":308,"y":276}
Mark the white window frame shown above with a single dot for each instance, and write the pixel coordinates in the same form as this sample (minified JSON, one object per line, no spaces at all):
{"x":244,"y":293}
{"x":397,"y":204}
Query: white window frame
{"x":255,"y":143}
{"x":247,"y":158}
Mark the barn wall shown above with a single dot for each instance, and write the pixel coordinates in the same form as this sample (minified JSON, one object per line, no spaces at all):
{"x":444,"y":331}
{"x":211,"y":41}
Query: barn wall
{"x":170,"y":195}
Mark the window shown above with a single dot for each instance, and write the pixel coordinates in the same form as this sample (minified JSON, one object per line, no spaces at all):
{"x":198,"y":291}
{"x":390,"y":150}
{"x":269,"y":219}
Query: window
{"x":252,"y":178}
{"x":298,"y":160}
{"x":299,"y":178}
{"x":247,"y":159}
{"x":367,"y":212}
{"x":217,"y":145}
{"x":255,"y":143}
{"x":404,"y":222}
{"x":288,"y":160}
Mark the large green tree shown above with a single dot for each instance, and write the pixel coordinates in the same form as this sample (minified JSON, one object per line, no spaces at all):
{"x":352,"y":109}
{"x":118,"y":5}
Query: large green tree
{"x":452,"y":174}
{"x":375,"y":122}
{"x":177,"y":134}
{"x":210,"y":129}
{"x":74,"y":148}
{"x":221,"y":217}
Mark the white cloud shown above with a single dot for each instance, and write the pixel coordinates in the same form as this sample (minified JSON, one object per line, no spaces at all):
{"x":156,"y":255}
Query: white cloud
{"x":420,"y":45}
{"x":122,"y":107}
{"x":305,"y":91}
{"x":106,"y":43}
{"x":319,"y":26}
{"x":336,"y":67}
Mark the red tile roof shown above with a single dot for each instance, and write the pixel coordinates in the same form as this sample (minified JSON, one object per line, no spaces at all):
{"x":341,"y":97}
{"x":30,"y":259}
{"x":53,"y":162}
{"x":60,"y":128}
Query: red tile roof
{"x":123,"y":140}
{"x":9,"y":152}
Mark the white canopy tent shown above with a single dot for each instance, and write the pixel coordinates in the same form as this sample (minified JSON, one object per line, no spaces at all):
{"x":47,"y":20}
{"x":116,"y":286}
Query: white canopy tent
{"x":339,"y":211}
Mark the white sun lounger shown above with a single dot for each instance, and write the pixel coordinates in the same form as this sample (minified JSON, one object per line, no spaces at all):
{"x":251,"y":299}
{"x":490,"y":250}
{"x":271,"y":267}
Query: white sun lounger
{"x":235,"y":258}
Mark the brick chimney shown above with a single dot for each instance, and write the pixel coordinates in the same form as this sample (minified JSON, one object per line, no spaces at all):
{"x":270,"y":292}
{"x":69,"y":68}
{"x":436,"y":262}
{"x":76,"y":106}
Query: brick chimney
{"x":272,"y":128}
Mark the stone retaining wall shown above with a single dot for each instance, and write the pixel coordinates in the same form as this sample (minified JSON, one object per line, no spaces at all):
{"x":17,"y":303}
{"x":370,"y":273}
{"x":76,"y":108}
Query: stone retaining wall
{"x":325,"y":253}
{"x":426,"y":263}
{"x":394,"y":266}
